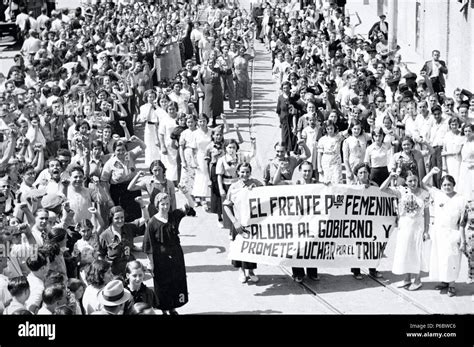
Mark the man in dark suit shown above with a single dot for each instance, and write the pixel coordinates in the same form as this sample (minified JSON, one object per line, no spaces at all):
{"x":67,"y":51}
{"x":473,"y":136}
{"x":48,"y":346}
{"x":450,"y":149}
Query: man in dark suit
{"x":435,"y":70}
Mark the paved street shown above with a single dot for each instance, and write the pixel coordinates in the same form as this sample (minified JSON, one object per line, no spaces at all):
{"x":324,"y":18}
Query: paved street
{"x":213,"y":283}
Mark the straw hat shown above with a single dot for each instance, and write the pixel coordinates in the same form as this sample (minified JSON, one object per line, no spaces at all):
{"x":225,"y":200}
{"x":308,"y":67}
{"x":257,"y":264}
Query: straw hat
{"x":114,"y":294}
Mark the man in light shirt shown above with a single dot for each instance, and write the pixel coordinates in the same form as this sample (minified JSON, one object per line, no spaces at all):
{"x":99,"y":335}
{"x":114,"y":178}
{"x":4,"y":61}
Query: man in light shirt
{"x":435,"y":69}
{"x":439,"y":129}
{"x":39,"y":267}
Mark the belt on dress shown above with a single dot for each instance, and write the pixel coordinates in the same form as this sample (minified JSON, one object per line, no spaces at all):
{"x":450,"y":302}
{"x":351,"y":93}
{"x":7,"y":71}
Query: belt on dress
{"x":152,"y":123}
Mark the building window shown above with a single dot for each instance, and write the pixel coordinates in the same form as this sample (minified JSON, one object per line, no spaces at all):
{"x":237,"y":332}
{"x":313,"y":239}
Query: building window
{"x":418,"y":21}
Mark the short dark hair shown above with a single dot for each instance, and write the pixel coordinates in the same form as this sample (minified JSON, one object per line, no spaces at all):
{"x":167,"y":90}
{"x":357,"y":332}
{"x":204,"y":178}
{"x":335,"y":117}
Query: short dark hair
{"x":448,"y":178}
{"x":53,"y":293}
{"x":18,"y":285}
{"x":360,"y":166}
{"x":74,"y":284}
{"x":436,"y":108}
{"x":37,"y":262}
{"x":77,"y":168}
{"x":159,"y":163}
{"x":64,"y":152}
{"x":96,"y":271}
{"x":244,"y":164}
{"x":84,"y":122}
{"x":54,"y":277}
{"x":57,"y":235}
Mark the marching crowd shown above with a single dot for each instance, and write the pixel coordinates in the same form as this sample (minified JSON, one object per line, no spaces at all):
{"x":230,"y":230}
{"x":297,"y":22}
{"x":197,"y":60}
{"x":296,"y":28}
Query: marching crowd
{"x":71,"y":195}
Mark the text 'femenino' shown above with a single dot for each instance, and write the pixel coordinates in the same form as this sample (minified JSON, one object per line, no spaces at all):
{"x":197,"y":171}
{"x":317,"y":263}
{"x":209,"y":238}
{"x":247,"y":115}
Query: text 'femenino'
{"x":310,"y":205}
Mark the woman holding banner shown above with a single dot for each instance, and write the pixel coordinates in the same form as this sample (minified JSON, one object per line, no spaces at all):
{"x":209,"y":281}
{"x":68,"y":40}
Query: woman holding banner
{"x":232,"y":207}
{"x":307,"y":170}
{"x":281,"y":168}
{"x":413,"y":226}
{"x":361,"y":173}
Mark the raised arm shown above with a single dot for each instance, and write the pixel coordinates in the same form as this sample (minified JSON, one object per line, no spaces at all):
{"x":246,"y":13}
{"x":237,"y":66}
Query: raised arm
{"x":9,"y":151}
{"x":426,"y":182}
{"x":135,"y":184}
{"x":307,"y":151}
{"x":359,"y":21}
{"x":385,"y":185}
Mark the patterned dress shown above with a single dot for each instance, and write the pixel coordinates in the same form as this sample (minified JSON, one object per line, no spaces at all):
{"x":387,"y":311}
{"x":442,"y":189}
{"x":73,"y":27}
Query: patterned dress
{"x":331,"y":160}
{"x":408,"y":249}
{"x":242,"y":85}
{"x":468,"y":223}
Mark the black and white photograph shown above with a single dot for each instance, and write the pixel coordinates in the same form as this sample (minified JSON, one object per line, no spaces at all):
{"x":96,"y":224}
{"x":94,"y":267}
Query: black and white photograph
{"x":311,"y":159}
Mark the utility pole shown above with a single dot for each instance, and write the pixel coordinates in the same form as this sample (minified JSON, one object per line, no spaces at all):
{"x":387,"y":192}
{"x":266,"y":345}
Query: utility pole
{"x":393,"y":23}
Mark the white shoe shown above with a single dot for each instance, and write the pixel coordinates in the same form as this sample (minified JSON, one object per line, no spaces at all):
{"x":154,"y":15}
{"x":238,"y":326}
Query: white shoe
{"x":242,"y":277}
{"x":220,"y":224}
{"x":469,"y":280}
{"x":234,"y":110}
{"x":253,"y":278}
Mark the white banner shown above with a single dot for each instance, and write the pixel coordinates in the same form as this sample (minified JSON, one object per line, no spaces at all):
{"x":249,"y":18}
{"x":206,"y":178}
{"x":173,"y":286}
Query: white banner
{"x":314,"y":225}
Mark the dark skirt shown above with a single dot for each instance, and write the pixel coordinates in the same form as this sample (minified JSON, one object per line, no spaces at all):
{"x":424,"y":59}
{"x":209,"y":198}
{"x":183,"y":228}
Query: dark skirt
{"x":226,"y":220}
{"x":216,"y":202}
{"x":379,"y":174}
{"x":169,"y":277}
{"x":213,"y":105}
{"x":122,"y":196}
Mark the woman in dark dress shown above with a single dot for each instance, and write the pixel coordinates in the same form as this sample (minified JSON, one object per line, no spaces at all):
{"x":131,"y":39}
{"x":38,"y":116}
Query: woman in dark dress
{"x":187,"y":43}
{"x":210,"y":77}
{"x":286,"y":110}
{"x":162,"y":245}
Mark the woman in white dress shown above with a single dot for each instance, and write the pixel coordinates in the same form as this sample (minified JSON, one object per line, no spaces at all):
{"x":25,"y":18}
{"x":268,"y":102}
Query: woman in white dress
{"x":445,"y":258}
{"x":452,"y":145}
{"x":329,"y":155}
{"x":353,"y":149}
{"x":202,"y":138}
{"x":466,"y":169}
{"x":150,"y":114}
{"x":413,"y":225}
{"x":169,"y":154}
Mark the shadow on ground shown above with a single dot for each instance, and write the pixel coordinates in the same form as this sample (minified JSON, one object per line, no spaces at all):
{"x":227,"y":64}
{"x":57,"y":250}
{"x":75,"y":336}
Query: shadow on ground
{"x":241,"y":312}
{"x":198,"y":249}
{"x":209,"y":268}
